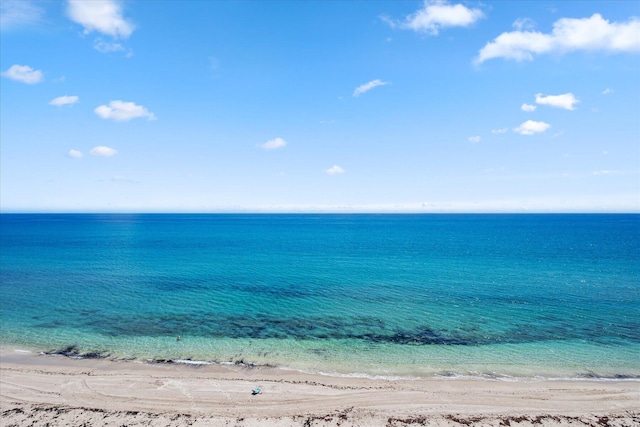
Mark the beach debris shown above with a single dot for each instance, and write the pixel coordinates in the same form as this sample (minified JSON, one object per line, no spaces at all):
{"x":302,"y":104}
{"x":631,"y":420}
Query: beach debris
{"x":255,"y":391}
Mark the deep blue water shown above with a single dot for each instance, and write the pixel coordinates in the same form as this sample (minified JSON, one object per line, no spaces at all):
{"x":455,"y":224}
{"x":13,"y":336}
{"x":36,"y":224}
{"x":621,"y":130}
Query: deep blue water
{"x":411,"y":295}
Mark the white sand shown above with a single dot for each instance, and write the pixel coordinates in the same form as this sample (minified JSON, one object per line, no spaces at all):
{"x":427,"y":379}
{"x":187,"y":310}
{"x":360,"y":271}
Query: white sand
{"x":57,"y":391}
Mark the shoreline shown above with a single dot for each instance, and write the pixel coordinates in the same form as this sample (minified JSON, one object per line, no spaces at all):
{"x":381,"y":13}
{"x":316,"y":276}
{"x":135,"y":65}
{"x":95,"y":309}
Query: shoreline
{"x":60,"y":358}
{"x":72,"y":352}
{"x":61,"y":391}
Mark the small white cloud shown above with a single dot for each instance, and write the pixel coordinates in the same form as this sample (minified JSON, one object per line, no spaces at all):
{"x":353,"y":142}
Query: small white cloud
{"x":568,"y":35}
{"x":64,"y":100}
{"x":602,"y":172}
{"x":103,"y":16}
{"x":334,"y":170}
{"x":123,"y":111}
{"x":75,"y":154}
{"x":607,"y":91}
{"x":18,"y":13}
{"x":474,"y":139}
{"x":109,"y":47}
{"x":524,"y":24}
{"x":103,"y":151}
{"x":436,"y":15}
{"x":566,"y":101}
{"x":106,"y":47}
{"x":499,"y":131}
{"x":274,"y":144}
{"x":368,"y":86}
{"x":24,"y":74}
{"x":531,"y":127}
{"x":528,"y":108}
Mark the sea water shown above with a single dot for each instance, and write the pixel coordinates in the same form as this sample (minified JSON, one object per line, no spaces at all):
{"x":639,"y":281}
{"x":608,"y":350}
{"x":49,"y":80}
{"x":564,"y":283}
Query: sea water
{"x":507,"y":296}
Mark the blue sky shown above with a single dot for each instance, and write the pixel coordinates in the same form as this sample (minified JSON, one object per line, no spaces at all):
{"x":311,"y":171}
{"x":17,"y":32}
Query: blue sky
{"x":320,"y":106}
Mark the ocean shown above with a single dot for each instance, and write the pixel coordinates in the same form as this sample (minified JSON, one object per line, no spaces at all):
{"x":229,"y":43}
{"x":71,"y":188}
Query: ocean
{"x":506,"y":296}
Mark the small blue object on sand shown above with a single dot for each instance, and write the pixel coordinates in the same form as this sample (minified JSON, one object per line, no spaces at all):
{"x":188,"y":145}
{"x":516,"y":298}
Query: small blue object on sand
{"x":256,"y":390}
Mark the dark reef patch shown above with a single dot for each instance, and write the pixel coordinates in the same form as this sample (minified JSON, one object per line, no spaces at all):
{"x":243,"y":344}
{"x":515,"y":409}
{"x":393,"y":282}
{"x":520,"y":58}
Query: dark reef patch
{"x":365,"y":328}
{"x":74,"y":352}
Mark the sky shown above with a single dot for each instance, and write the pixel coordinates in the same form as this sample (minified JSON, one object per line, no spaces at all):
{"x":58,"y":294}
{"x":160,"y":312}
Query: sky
{"x":319,"y":106}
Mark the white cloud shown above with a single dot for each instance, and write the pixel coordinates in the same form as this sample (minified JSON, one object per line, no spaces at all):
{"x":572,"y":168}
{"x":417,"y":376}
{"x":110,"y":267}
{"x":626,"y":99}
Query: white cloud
{"x":528,"y":107}
{"x":499,"y":131}
{"x":524,"y":24}
{"x":123,"y":111}
{"x":334,"y":170}
{"x":565,"y":101}
{"x":103,"y":151}
{"x":474,"y":139}
{"x":64,"y":100}
{"x":531,"y":127}
{"x":368,"y":86}
{"x":436,"y":15}
{"x":568,"y":34}
{"x":75,"y":154}
{"x":515,"y":45}
{"x":17,"y":13}
{"x":23,"y":73}
{"x":274,"y":144}
{"x":106,"y":47}
{"x":103,"y":16}
{"x":607,"y":91}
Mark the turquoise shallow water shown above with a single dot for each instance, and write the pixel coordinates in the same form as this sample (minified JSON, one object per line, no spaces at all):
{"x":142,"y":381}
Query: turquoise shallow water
{"x":393,"y":295}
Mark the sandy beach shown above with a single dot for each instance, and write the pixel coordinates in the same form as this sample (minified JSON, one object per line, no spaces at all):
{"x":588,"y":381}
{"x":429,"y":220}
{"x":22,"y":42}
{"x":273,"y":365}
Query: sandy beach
{"x":58,"y":391}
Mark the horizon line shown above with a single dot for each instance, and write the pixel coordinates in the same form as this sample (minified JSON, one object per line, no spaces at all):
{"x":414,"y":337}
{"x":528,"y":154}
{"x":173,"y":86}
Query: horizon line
{"x":317,"y":212}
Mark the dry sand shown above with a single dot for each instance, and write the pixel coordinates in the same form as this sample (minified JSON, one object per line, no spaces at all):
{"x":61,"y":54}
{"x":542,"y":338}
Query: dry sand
{"x":40,"y":390}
